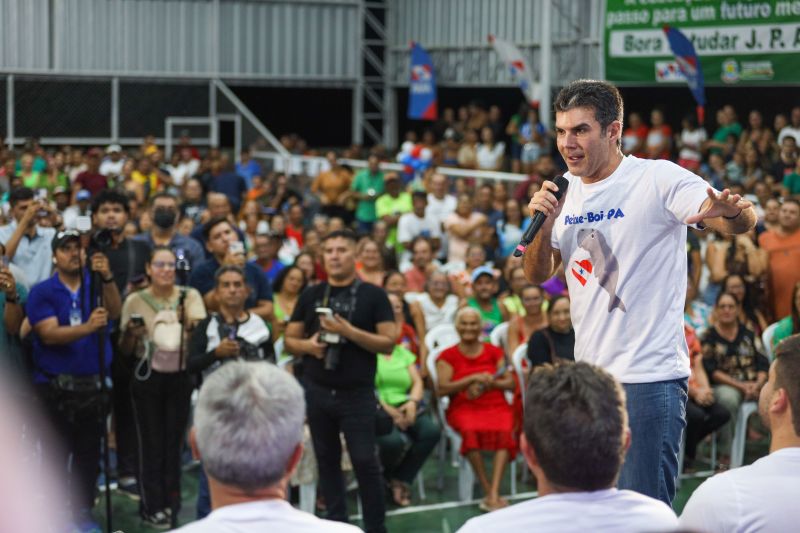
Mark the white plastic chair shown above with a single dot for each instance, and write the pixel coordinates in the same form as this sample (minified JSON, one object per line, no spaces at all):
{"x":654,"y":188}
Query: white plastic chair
{"x":466,"y":477}
{"x":740,"y":433}
{"x":499,"y":336}
{"x":766,"y":338}
{"x":700,"y":473}
{"x":440,"y":337}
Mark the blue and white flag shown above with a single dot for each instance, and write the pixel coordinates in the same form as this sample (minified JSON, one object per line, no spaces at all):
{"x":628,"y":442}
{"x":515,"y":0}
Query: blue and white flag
{"x":422,"y":102}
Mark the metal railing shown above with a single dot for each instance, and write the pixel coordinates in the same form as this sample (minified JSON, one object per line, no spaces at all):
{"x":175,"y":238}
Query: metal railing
{"x":310,"y":165}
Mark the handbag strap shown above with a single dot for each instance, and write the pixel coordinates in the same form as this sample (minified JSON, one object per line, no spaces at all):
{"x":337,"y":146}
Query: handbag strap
{"x":551,"y":344}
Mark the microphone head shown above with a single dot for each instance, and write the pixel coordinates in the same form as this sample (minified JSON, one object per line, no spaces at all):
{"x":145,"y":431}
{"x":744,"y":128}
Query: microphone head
{"x":562,"y":183}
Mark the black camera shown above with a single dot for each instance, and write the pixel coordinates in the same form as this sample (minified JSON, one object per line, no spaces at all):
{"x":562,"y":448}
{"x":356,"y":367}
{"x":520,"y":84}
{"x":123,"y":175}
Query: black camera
{"x":102,"y":239}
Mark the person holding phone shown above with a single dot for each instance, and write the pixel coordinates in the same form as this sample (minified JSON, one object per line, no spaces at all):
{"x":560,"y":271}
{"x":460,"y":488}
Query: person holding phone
{"x":226,"y":248}
{"x":27,"y":243}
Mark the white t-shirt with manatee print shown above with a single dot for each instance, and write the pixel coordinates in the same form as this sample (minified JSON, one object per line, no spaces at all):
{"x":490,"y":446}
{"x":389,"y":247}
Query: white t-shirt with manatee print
{"x":623,"y":244}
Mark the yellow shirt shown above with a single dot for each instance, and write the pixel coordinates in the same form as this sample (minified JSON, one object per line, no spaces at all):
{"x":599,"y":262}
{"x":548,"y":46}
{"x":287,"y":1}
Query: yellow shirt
{"x":150,"y":181}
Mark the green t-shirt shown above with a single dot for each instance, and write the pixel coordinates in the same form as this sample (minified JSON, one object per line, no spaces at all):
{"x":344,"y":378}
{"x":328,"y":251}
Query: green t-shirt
{"x":721,"y":135}
{"x":362,"y":183}
{"x":782,"y":330}
{"x":392,"y":379}
{"x":387,"y":205}
{"x":40,"y":180}
{"x":792,"y":182}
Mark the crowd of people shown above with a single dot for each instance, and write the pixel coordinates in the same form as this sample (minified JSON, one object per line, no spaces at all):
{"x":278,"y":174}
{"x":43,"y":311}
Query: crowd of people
{"x":156,"y":269}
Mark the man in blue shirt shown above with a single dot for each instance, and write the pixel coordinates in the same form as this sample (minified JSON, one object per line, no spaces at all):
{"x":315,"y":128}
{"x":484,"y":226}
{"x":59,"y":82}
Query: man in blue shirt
{"x":247,"y":167}
{"x":66,"y":356}
{"x":220,"y":235}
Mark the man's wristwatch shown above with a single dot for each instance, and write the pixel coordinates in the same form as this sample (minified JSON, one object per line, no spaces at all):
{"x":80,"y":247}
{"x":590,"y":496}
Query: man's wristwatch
{"x":110,"y":279}
{"x":11,"y":299}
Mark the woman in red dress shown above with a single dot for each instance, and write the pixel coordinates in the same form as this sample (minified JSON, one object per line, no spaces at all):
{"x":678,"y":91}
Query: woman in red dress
{"x":474,"y":374}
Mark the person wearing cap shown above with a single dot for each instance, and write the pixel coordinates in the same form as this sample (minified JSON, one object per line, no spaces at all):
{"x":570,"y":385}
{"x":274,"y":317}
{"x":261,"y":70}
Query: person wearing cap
{"x":391,"y":205}
{"x":27,"y":243}
{"x":485,"y":301}
{"x":61,"y":197}
{"x":81,"y":208}
{"x":66,"y":357}
{"x":91,"y":179}
{"x":111,"y":167}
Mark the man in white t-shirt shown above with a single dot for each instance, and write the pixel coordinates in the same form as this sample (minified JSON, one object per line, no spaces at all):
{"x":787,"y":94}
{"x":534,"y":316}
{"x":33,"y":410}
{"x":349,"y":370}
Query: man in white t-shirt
{"x":575,"y":434}
{"x":762,"y":496}
{"x":417,"y":224}
{"x":440,"y":205}
{"x":620,"y":232}
{"x":248,"y":430}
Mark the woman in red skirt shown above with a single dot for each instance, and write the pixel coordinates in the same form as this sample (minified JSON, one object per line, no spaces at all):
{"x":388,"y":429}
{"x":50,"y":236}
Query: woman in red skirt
{"x":474,"y":374}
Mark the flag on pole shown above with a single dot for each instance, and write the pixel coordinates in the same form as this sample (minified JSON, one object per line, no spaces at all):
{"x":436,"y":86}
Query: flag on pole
{"x":520,"y":68}
{"x":689,"y":63}
{"x":422,"y":103}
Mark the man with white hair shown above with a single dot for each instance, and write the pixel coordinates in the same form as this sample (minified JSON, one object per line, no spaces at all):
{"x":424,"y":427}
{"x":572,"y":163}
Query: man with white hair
{"x":248,"y":430}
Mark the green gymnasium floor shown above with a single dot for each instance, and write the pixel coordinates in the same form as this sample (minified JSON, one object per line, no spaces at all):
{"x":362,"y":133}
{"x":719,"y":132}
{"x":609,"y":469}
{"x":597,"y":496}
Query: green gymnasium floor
{"x":439,"y":513}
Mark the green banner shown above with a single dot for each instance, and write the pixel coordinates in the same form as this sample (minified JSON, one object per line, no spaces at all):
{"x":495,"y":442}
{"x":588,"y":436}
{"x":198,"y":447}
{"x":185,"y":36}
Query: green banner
{"x":738,"y":41}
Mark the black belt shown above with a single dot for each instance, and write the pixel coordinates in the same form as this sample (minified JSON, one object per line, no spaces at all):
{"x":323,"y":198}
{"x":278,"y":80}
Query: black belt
{"x":70,"y":383}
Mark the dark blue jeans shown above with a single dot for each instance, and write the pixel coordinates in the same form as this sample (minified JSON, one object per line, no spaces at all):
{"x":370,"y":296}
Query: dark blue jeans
{"x":657,"y":417}
{"x":352,"y":413}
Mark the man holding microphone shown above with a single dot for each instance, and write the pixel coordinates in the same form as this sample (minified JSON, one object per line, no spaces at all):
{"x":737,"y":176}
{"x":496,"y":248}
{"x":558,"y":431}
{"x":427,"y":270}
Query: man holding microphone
{"x":620,"y":232}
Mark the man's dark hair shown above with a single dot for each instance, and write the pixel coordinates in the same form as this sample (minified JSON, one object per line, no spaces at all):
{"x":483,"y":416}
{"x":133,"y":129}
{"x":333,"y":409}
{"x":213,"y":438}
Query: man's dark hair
{"x":419,"y":194}
{"x":224,"y":269}
{"x":787,"y":374}
{"x":341,"y":233}
{"x":111,"y":196}
{"x":575,"y":420}
{"x":213,"y":223}
{"x":600,"y":96}
{"x":792,"y":200}
{"x":163,"y":195}
{"x":420,"y":238}
{"x":20,"y":194}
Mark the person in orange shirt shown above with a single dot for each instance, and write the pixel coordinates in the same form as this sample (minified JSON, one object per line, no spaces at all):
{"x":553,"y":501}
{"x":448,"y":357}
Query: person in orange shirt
{"x":783,"y":246}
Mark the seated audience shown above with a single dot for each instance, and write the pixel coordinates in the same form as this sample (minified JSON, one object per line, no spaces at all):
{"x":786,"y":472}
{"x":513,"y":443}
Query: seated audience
{"x":557,"y":340}
{"x":704,"y":414}
{"x":762,"y":496}
{"x":413,"y":436}
{"x":475,"y":374}
{"x":438,"y":304}
{"x":575,"y":439}
{"x":733,"y":363}
{"x":521,"y":327}
{"x":491,"y":310}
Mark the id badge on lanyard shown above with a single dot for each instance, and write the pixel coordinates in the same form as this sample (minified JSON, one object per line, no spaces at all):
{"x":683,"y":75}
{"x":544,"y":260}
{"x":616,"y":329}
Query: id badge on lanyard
{"x":75,"y":313}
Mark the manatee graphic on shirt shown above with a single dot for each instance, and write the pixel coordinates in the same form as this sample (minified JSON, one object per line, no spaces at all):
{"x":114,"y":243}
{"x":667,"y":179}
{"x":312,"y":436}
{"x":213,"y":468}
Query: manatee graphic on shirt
{"x":602,"y":265}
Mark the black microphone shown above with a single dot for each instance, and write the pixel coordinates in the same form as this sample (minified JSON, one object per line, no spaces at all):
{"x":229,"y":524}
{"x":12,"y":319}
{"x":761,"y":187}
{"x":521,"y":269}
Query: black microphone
{"x":538,"y":218}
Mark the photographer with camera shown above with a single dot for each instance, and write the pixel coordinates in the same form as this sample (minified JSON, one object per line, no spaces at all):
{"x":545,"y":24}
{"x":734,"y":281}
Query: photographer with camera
{"x":231,"y":334}
{"x":155,"y":325}
{"x":338,"y":328}
{"x":66,"y":356}
{"x":26,"y":242}
{"x":127,"y":258}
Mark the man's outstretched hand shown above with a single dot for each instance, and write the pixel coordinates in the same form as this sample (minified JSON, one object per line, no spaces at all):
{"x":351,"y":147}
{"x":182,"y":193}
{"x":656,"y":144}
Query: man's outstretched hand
{"x":723,"y":205}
